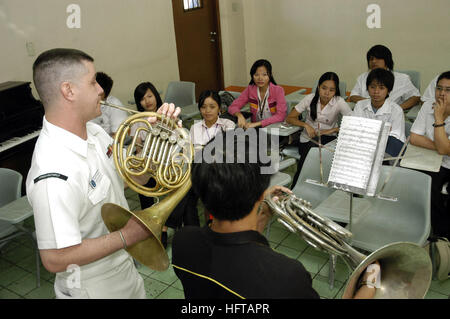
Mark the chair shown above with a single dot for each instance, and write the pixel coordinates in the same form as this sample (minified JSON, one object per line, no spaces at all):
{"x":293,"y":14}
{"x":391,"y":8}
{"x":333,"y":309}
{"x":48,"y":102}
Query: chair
{"x":182,"y":94}
{"x":14,"y":209}
{"x":408,"y":126}
{"x":406,"y":220}
{"x":313,"y":193}
{"x":414,"y":76}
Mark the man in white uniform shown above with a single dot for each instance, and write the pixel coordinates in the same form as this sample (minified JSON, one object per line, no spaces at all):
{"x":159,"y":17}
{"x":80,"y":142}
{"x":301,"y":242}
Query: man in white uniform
{"x":72,"y":175}
{"x":111,"y":118}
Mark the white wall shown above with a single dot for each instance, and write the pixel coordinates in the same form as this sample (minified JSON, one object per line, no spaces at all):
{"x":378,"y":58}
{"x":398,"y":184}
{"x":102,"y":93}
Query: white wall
{"x":132,"y":40}
{"x":306,"y":38}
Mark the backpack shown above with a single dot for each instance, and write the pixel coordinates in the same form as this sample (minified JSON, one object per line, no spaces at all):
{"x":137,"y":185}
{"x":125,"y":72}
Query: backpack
{"x":226,"y":100}
{"x":439,"y":251}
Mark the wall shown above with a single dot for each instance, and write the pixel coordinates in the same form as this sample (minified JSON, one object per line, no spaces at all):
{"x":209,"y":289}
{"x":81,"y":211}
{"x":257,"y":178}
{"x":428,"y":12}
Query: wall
{"x":305,"y":38}
{"x":132,"y":41}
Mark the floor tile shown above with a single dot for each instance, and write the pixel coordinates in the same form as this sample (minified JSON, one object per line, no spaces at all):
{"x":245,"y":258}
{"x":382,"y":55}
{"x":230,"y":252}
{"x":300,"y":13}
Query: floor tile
{"x":435,"y":295}
{"x":46,"y":291}
{"x":23,"y":285}
{"x":154,"y":288}
{"x":168,"y":276}
{"x":11,"y":274}
{"x":313,"y":264}
{"x":442,"y":287}
{"x":7,"y":294}
{"x":290,"y":252}
{"x":171,"y":293}
{"x":321,"y":285}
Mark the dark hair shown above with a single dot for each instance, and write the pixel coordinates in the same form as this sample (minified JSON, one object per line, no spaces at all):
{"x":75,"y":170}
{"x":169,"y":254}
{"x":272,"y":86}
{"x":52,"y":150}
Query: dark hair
{"x":381,"y":52}
{"x":55,"y":66}
{"x":140,"y":91}
{"x":381,"y":76}
{"x":265,"y":64}
{"x":325,"y":77}
{"x":105,"y":81}
{"x":229,"y":188}
{"x":206,"y":94}
{"x":445,"y":75}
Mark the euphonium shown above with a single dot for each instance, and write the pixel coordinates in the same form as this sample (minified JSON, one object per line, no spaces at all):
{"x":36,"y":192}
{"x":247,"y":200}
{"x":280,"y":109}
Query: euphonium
{"x":166,"y":156}
{"x":405,"y":267}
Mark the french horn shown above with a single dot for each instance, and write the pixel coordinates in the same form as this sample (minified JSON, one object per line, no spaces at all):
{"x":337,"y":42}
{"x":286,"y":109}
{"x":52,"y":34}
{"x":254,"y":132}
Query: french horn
{"x":406,"y":269}
{"x":166,"y":155}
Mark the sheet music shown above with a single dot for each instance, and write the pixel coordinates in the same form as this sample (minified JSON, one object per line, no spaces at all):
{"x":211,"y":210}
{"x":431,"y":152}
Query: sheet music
{"x":417,"y":157}
{"x":359,"y":143}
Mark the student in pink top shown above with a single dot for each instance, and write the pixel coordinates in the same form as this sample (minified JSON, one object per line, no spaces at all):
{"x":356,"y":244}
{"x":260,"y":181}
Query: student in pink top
{"x":266,"y":98}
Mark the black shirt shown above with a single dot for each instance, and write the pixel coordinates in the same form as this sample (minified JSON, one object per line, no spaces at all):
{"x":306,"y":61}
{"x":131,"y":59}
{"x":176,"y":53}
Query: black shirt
{"x":233,"y":265}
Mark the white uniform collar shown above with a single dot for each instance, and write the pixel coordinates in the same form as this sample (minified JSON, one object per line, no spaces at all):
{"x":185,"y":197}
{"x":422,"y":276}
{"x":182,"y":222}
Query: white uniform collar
{"x":385,"y":108}
{"x":218,"y":122}
{"x":69,"y":140}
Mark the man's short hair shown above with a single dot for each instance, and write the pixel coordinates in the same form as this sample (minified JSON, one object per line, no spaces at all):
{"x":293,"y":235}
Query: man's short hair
{"x":229,"y":189}
{"x":55,"y":66}
{"x":105,"y":81}
{"x":381,"y":76}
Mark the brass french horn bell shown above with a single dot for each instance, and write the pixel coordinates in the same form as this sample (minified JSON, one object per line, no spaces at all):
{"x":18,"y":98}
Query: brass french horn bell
{"x":166,"y":156}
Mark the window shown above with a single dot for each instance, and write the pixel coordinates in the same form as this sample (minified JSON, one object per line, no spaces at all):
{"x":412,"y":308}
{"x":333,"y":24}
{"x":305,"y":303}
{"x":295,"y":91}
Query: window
{"x":192,"y":4}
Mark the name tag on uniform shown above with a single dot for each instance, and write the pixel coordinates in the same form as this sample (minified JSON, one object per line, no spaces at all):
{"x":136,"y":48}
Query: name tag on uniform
{"x":95,"y":180}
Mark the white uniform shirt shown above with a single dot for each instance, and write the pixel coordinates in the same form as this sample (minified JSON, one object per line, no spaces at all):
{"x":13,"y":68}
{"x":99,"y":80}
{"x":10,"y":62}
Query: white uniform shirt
{"x":423,"y":125}
{"x":111,"y":118}
{"x":201,"y":134}
{"x":327,"y":117}
{"x":403,"y":88}
{"x":389,"y":112}
{"x":430,"y":91}
{"x":68,"y":182}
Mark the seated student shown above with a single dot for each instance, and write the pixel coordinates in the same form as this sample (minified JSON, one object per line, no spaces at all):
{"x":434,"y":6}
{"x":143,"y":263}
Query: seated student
{"x":404,"y":93}
{"x":267,"y":101}
{"x":429,"y":95}
{"x":147,"y":99}
{"x":201,"y":133}
{"x":111,"y":118}
{"x":379,"y":84}
{"x":431,"y":130}
{"x":231,"y":258}
{"x":323,"y":108}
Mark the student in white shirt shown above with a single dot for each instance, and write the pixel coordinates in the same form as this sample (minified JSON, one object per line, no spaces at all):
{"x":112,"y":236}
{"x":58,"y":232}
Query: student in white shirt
{"x":379,"y":85}
{"x":404,"y":93}
{"x":201,"y":133}
{"x":431,"y":130}
{"x":324,"y":108}
{"x":111,"y":118}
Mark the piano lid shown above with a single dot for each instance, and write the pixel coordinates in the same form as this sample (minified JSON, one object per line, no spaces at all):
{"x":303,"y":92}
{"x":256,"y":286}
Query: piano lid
{"x":20,"y":112}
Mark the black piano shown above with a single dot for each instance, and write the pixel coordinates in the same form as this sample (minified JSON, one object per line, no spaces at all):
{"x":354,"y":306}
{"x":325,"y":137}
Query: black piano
{"x":20,"y":123}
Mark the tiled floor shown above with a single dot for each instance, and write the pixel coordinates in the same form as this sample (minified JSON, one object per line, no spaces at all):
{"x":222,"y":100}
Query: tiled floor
{"x":18,"y":268}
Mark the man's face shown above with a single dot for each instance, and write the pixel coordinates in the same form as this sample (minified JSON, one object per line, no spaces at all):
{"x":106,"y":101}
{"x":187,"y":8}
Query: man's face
{"x":89,"y":93}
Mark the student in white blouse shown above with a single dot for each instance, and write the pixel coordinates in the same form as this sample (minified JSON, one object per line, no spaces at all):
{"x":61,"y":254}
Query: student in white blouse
{"x":379,"y":84}
{"x":431,"y":130}
{"x":203,"y":131}
{"x":323,"y":108}
{"x":404,"y":93}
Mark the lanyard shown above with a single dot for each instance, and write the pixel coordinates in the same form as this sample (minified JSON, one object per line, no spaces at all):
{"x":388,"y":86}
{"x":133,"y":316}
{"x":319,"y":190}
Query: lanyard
{"x":261,"y":105}
{"x":215,"y":131}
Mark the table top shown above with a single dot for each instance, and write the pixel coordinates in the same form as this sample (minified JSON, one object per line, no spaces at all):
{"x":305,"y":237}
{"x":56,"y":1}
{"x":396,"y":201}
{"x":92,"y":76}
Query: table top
{"x":281,"y":129}
{"x":16,"y":211}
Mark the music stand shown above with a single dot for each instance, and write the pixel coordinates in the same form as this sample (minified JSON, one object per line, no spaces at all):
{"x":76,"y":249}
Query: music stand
{"x":358,"y":157}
